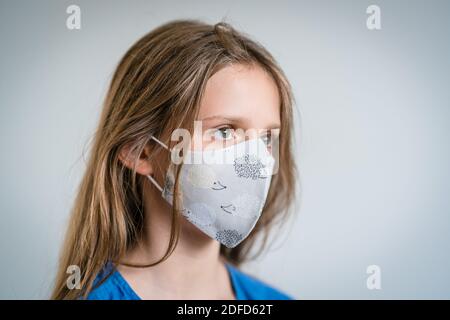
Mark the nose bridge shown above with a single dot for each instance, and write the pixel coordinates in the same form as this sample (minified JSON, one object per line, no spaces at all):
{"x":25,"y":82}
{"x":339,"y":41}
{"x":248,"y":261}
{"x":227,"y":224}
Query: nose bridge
{"x":251,"y":133}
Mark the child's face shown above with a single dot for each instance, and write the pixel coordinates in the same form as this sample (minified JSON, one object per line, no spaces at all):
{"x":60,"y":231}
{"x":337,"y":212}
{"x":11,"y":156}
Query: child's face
{"x":238,"y":99}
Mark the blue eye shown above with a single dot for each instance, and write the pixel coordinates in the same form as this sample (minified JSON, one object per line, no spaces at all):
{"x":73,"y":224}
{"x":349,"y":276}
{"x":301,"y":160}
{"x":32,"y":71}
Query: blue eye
{"x":224,"y":133}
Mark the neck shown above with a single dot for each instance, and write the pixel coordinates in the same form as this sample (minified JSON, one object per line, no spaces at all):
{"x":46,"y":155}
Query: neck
{"x":195,"y":264}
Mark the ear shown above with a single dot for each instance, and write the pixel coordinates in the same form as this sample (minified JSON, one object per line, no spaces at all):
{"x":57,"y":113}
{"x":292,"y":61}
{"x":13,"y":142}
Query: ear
{"x":143,"y":164}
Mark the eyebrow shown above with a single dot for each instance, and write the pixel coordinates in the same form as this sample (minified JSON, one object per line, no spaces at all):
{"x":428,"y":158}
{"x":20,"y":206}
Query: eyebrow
{"x":237,"y":120}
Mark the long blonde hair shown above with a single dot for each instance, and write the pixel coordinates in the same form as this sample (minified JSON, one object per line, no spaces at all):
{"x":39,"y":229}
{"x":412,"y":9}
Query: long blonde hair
{"x":157,"y":87}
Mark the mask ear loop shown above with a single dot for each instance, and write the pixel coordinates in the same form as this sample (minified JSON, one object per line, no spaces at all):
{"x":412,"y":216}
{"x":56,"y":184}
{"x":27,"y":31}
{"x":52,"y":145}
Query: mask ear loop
{"x":152,"y":180}
{"x":161,"y":143}
{"x":156,"y":184}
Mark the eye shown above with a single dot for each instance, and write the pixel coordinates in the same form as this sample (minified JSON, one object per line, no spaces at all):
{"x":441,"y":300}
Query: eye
{"x":267,"y":138}
{"x":224,"y":133}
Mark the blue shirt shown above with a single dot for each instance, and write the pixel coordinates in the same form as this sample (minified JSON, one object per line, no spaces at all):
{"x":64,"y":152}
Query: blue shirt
{"x":245,"y":287}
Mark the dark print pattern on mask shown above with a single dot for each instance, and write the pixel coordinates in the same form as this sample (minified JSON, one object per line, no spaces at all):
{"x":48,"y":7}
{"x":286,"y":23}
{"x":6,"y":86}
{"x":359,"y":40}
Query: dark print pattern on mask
{"x":229,"y":208}
{"x":199,"y":214}
{"x":248,"y":166}
{"x":218,"y":186}
{"x":228,"y":237}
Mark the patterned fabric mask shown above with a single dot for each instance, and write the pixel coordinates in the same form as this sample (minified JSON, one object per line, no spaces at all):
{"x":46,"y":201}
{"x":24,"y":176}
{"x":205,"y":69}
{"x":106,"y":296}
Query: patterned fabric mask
{"x":223,"y":194}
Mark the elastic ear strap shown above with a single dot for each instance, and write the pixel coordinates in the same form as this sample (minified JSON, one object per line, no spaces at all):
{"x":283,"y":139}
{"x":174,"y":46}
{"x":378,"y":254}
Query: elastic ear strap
{"x":160,"y":143}
{"x":152,"y":180}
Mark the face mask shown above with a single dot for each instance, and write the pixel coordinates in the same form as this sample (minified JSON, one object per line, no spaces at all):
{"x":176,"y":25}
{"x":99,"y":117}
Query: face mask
{"x":224,"y":194}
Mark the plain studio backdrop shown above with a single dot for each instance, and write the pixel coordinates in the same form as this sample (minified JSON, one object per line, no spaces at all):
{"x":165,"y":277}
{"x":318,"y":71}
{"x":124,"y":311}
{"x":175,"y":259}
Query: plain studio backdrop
{"x":373,"y":147}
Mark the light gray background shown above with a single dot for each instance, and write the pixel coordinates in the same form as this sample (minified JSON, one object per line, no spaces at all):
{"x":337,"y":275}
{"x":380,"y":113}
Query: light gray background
{"x":373,"y":149}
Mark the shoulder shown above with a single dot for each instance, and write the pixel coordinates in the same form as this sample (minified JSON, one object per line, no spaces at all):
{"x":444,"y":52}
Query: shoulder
{"x":248,"y":287}
{"x":109,"y":285}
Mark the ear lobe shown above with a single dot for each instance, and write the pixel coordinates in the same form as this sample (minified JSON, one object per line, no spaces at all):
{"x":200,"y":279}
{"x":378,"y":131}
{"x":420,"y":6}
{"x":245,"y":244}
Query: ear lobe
{"x":142,"y":162}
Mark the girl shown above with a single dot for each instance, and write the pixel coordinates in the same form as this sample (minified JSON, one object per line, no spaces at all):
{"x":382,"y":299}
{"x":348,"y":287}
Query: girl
{"x":146,"y":227}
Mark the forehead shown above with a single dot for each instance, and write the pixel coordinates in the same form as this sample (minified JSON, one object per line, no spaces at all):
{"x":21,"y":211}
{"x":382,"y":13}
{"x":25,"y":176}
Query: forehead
{"x":242,"y":91}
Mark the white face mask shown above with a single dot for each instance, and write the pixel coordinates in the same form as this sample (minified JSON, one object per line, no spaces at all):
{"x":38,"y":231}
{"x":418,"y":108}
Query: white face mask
{"x":224,"y":200}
